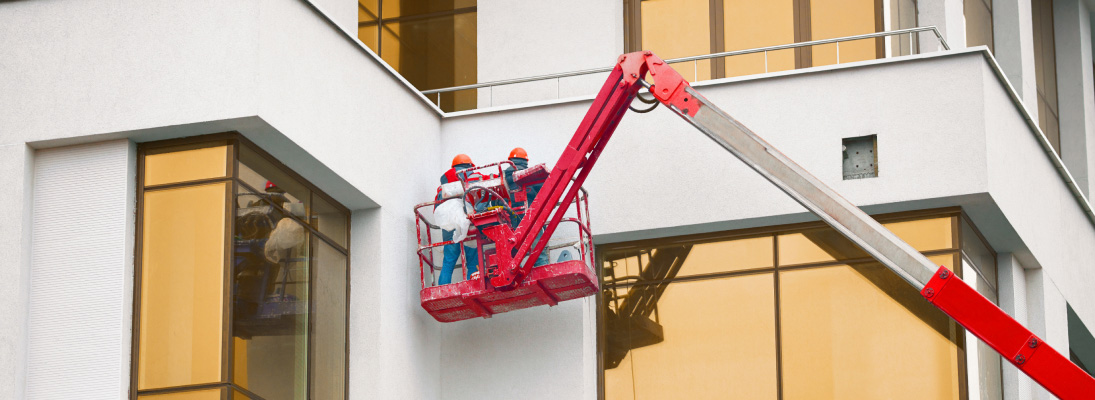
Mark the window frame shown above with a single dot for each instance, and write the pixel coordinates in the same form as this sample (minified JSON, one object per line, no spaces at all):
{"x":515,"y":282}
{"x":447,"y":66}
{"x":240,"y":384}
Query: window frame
{"x":1045,"y":48}
{"x":234,"y":141}
{"x":956,"y":250}
{"x":448,"y":100}
{"x":803,"y":55}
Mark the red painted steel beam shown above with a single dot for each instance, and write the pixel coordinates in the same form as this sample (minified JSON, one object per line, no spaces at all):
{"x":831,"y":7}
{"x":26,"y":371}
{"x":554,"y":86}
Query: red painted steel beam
{"x":1008,"y":337}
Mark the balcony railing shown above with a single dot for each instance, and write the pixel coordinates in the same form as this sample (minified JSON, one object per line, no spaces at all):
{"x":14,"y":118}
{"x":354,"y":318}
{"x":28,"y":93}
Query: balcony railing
{"x":539,"y":88}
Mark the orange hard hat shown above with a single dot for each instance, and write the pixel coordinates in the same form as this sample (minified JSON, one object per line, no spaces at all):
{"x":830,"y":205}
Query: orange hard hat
{"x":461,"y":159}
{"x":518,"y":153}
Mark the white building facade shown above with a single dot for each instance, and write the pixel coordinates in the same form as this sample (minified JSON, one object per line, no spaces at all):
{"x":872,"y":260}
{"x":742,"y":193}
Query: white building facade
{"x":984,"y":160}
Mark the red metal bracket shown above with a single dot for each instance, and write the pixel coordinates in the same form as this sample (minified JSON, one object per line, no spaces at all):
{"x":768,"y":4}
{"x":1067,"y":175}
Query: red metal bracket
{"x":669,"y":86}
{"x":1008,"y":337}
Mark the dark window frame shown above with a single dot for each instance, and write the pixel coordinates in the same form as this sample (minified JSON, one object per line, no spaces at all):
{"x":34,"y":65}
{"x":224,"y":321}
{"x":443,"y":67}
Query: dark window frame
{"x":958,"y":216}
{"x":234,"y":141}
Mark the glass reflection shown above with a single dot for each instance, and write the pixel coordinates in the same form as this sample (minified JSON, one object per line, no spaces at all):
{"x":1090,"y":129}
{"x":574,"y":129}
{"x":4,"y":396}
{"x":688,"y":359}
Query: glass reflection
{"x":270,"y":297}
{"x":433,"y":44}
{"x":368,"y":22}
{"x":329,"y":341}
{"x":845,"y":328}
{"x":845,"y":325}
{"x":728,"y":256}
{"x":279,"y":187}
{"x":989,"y":362}
{"x":827,"y":245}
{"x":187,"y":278}
{"x":816,"y":245}
{"x":696,"y":350}
{"x":435,"y":52}
{"x":329,"y":220}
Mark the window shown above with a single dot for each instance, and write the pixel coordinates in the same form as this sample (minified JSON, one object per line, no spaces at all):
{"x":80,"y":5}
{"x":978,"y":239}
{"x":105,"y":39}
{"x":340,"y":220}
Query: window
{"x":242,"y":278}
{"x":1081,"y":344}
{"x":979,"y":261}
{"x":430,"y":43}
{"x":978,"y":15}
{"x":681,"y":28}
{"x":903,"y":15}
{"x":795,"y":312}
{"x":1045,"y":71}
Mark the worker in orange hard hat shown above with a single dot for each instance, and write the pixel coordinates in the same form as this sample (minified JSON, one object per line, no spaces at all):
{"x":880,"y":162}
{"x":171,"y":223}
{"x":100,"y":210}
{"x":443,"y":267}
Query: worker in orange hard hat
{"x":462,"y":170}
{"x":519,"y":158}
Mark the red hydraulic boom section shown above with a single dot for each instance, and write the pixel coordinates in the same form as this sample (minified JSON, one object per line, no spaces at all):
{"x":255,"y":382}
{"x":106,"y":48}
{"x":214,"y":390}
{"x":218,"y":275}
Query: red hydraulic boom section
{"x":510,"y":264}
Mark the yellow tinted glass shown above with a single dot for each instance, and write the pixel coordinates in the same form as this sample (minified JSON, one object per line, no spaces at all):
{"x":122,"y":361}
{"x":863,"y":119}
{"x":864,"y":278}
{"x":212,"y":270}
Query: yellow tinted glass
{"x":205,"y":394}
{"x":925,"y":234}
{"x":826,"y":245}
{"x":619,"y":384}
{"x":751,"y":24}
{"x":368,"y":35}
{"x":368,"y":22}
{"x":185,"y":165}
{"x":701,"y":353}
{"x":182,"y":286}
{"x":816,"y":245}
{"x":618,"y":267}
{"x":863,"y":333}
{"x":678,"y":28}
{"x":837,"y":18}
{"x":732,"y":255}
{"x":949,"y":260}
{"x":434,"y":51}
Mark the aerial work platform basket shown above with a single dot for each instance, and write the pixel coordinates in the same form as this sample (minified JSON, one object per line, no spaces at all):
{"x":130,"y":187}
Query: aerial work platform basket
{"x":567,"y":275}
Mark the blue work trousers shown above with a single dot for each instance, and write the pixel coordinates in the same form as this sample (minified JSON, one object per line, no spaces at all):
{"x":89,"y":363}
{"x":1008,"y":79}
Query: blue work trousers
{"x":452,"y":253}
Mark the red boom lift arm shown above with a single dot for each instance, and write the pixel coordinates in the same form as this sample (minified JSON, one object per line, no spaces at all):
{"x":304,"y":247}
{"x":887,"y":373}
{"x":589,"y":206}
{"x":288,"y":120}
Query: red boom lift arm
{"x":516,"y":251}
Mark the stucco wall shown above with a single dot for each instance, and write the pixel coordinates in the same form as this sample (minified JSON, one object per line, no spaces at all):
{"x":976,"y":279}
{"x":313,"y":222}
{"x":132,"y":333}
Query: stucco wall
{"x":278,"y":72}
{"x":16,"y":169}
{"x":81,"y":282}
{"x":518,"y":39}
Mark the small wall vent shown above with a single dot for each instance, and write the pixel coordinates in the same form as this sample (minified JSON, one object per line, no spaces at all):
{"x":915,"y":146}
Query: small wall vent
{"x":860,"y":157}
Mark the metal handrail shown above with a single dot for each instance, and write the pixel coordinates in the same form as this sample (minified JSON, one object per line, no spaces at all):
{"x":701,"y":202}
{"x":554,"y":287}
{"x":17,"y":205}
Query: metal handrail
{"x":932,"y":28}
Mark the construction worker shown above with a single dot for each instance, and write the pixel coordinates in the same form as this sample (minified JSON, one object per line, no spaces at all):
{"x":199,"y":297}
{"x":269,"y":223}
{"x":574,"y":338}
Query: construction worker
{"x":458,"y":172}
{"x":519,"y":158}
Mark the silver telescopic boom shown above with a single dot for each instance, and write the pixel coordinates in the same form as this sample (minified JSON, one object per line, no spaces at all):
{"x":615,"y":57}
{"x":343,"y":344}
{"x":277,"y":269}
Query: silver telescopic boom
{"x":809,"y":191}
